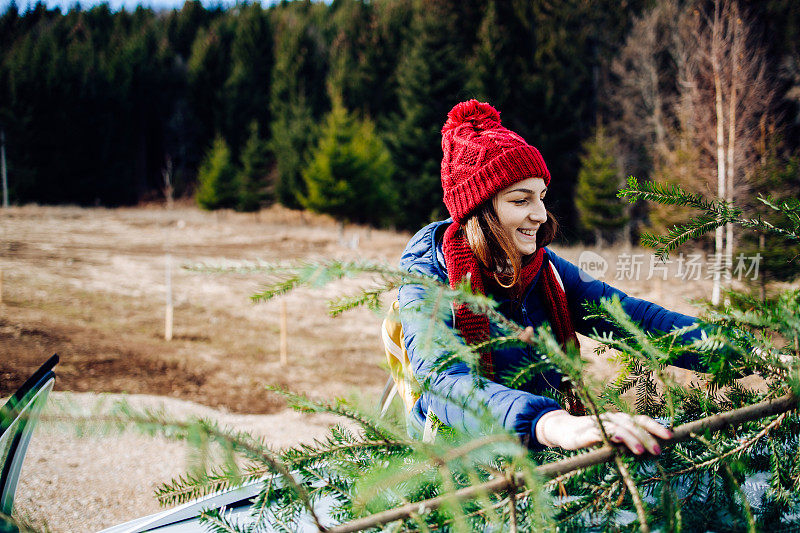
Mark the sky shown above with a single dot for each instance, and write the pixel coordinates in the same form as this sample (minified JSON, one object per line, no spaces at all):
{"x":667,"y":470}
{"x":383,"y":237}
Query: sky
{"x":116,"y":5}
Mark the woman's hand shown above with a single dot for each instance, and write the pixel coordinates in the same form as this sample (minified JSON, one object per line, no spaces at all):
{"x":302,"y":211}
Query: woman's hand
{"x":559,"y":428}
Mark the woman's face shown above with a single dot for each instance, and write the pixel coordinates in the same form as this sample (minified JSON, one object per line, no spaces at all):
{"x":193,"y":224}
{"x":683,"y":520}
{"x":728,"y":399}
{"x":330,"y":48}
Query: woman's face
{"x":520,"y":210}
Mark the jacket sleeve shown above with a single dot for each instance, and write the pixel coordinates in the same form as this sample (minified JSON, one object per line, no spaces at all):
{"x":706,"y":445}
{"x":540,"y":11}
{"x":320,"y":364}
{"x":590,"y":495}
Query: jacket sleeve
{"x":454,"y":388}
{"x":581,"y":287}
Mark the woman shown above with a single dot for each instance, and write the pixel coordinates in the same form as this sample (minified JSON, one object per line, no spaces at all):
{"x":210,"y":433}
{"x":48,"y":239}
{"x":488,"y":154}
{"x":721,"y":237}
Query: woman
{"x":495,"y":186}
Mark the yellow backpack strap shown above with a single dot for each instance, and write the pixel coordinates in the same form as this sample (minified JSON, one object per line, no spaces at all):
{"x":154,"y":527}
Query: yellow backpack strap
{"x":397,"y":358}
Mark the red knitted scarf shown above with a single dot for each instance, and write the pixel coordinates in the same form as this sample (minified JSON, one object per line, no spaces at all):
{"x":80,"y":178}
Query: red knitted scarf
{"x":474,"y":328}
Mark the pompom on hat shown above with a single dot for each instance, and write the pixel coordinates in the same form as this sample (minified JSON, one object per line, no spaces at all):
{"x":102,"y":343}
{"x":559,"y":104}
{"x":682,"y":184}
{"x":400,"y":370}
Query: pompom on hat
{"x":481,"y":157}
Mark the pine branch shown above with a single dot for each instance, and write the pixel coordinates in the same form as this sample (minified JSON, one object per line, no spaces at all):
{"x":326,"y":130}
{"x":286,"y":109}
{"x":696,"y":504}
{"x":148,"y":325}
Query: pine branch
{"x":678,"y":235}
{"x":594,"y":457}
{"x":748,"y":512}
{"x":524,"y":373}
{"x":217,"y":522}
{"x":714,"y":214}
{"x":369,"y":298}
{"x":305,"y":404}
{"x":192,"y":486}
{"x":641,"y":514}
{"x":260,"y":509}
{"x":745,"y":444}
{"x":665,"y":194}
{"x":307,"y":455}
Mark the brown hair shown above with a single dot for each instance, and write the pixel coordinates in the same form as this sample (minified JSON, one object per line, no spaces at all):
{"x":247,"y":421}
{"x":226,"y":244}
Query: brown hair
{"x":494,"y":249}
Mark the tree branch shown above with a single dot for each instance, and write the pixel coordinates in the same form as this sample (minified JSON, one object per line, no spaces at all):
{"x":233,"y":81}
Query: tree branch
{"x":594,"y":457}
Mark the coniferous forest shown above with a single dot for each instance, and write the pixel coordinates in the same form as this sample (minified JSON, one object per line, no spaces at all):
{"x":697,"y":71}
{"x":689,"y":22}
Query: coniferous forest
{"x":673,"y":120}
{"x":314,"y":104}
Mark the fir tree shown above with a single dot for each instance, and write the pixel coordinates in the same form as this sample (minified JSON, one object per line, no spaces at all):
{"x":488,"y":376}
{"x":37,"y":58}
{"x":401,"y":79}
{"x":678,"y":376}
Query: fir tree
{"x":251,"y":178}
{"x":430,"y":81}
{"x":216,"y":178}
{"x":183,"y":24}
{"x":491,"y":69}
{"x":207,"y":69}
{"x":600,"y":210}
{"x":365,"y":50}
{"x":247,"y":88}
{"x":296,"y":95}
{"x":349,"y":174}
{"x":350,"y":73}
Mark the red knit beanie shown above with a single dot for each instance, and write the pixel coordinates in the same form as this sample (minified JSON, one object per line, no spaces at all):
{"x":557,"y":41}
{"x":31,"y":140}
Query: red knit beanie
{"x":482,"y":157}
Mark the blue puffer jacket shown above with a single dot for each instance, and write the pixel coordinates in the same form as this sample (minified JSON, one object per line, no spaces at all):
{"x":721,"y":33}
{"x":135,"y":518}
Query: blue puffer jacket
{"x":517,"y":410}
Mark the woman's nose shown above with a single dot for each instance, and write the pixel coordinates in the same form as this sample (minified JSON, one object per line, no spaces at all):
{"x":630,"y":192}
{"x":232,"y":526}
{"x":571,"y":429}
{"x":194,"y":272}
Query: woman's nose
{"x":538,"y":213}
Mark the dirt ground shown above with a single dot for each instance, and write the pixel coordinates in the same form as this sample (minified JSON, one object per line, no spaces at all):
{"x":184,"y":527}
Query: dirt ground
{"x":90,"y":284}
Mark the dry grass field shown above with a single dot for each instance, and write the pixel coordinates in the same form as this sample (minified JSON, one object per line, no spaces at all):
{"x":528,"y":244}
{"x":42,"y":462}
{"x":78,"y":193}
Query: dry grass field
{"x":90,"y":285}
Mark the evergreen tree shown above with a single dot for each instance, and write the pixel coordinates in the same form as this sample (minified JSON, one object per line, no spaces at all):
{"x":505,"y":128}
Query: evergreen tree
{"x":183,"y":25}
{"x":207,"y":70}
{"x":600,"y":210}
{"x":297,"y":97}
{"x":492,"y":66}
{"x":349,"y":74}
{"x":251,"y":179}
{"x":216,"y":178}
{"x":246,"y":91}
{"x":365,"y":49}
{"x":349,"y":174}
{"x":293,"y":132}
{"x":430,"y":82}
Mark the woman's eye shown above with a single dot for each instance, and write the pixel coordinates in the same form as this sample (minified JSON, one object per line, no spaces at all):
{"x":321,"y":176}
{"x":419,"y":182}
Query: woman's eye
{"x":519,"y":202}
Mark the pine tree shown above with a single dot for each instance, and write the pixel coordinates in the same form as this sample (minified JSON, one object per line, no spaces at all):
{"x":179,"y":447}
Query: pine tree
{"x":207,"y":69}
{"x":365,"y":51}
{"x":183,"y":24}
{"x":492,"y":67}
{"x":252,"y":176}
{"x":246,"y":91}
{"x":297,"y":97}
{"x":350,"y":73}
{"x":349,"y":174}
{"x":599,"y":209}
{"x":430,"y":82}
{"x":216,"y":178}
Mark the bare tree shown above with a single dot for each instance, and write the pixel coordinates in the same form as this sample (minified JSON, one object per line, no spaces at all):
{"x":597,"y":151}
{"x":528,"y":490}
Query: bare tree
{"x":730,"y":72}
{"x":639,"y":98}
{"x":652,"y":112}
{"x":692,"y":88}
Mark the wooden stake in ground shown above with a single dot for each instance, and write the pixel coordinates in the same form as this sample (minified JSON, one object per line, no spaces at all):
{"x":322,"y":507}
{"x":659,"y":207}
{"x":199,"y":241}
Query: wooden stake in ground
{"x":168,"y":313}
{"x":3,"y":166}
{"x":167,"y":174}
{"x":284,"y":336}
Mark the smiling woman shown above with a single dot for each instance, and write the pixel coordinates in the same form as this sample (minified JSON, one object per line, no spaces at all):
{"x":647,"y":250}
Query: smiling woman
{"x":520,"y":211}
{"x":495,"y":185}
